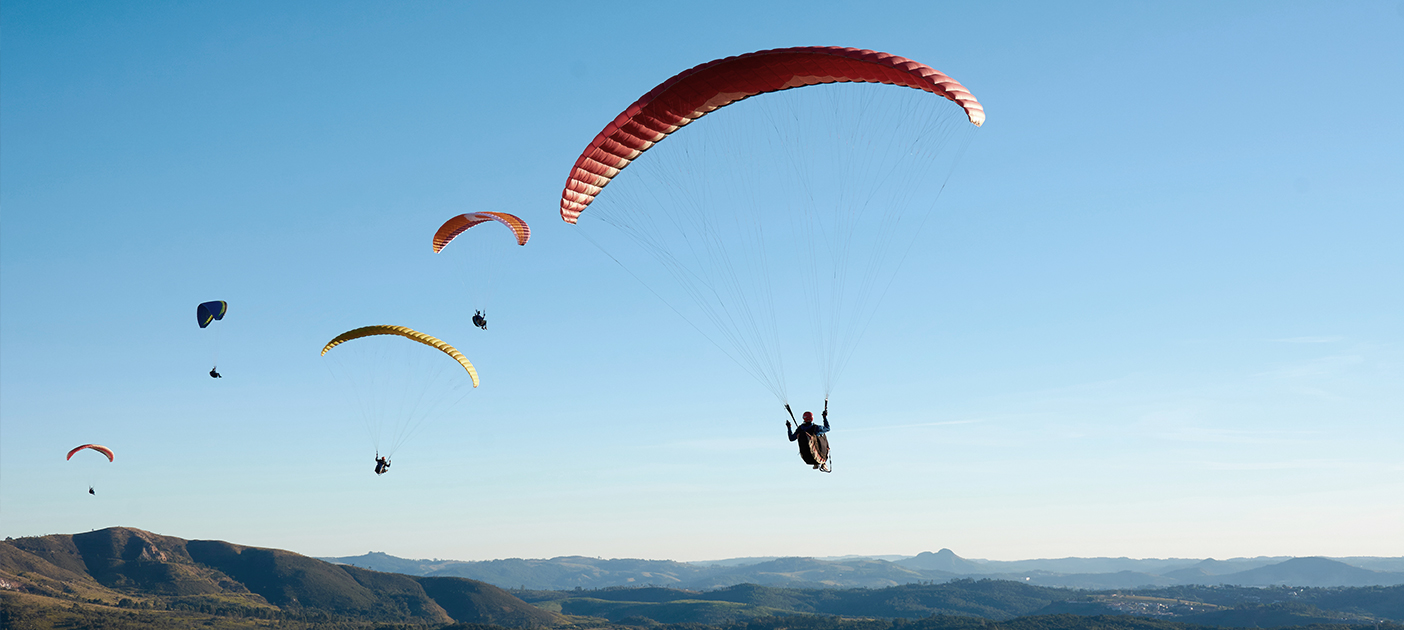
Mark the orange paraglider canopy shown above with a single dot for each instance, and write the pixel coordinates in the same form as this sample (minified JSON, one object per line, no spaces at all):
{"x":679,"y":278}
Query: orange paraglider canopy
{"x":97,"y":447}
{"x":460,"y":224}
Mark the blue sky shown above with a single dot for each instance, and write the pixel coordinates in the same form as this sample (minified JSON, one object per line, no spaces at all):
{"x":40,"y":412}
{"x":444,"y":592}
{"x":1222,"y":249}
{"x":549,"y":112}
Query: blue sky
{"x":1157,"y":313}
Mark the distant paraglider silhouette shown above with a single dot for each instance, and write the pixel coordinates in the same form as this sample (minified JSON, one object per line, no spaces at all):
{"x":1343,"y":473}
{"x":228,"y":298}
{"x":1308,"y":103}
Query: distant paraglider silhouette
{"x":106,"y":452}
{"x":205,"y":314}
{"x":485,"y":253}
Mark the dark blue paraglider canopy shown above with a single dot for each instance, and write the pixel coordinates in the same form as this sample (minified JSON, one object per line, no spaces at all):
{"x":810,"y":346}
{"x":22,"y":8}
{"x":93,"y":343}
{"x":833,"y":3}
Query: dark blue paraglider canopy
{"x":210,"y":311}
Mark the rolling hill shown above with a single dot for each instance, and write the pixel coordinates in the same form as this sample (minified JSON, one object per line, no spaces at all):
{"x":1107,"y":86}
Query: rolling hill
{"x":1310,"y":572}
{"x":132,"y":568}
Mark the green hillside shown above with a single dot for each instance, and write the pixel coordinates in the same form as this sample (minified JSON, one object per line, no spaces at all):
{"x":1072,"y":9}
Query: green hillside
{"x":469,"y":601}
{"x":162,"y":578}
{"x":989,"y":599}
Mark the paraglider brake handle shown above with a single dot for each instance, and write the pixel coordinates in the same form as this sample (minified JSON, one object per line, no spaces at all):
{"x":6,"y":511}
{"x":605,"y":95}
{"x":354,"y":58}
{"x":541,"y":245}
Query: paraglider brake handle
{"x":792,"y":414}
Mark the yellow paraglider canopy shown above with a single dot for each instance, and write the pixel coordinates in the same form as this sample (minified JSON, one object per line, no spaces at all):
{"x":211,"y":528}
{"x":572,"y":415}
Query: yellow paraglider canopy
{"x":407,"y":333}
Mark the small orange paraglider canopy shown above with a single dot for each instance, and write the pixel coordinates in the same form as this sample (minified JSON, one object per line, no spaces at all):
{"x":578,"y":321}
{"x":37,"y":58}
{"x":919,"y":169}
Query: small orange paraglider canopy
{"x":97,"y":447}
{"x":460,"y":224}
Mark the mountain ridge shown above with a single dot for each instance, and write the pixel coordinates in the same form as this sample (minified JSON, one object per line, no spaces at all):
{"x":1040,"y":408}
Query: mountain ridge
{"x":135,"y":568}
{"x":568,"y":572}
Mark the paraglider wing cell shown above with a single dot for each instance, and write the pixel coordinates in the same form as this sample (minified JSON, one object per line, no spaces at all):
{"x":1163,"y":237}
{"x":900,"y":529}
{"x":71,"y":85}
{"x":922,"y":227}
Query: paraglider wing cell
{"x":407,"y":333}
{"x":209,"y":312}
{"x":715,"y":84}
{"x":460,"y":224}
{"x":97,"y":447}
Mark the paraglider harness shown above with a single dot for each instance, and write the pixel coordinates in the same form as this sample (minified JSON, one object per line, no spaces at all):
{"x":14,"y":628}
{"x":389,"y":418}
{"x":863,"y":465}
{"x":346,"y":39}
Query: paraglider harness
{"x":382,"y":464}
{"x":213,"y":373}
{"x":480,"y":320}
{"x":814,"y":447}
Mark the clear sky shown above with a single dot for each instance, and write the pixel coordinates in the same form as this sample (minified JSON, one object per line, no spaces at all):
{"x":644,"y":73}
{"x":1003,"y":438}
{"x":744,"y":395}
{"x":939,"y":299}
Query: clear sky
{"x":1158,"y":312}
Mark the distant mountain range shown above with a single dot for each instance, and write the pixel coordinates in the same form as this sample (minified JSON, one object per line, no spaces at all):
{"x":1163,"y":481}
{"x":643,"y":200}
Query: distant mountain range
{"x":569,"y":572}
{"x":121,"y":578}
